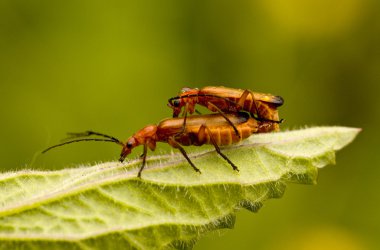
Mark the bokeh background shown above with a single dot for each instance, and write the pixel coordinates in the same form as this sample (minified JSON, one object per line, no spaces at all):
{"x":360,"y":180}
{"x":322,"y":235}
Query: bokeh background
{"x":110,"y":66}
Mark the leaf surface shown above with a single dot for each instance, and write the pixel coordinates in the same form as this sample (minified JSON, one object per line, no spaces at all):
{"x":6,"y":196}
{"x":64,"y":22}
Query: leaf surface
{"x":107,"y":207}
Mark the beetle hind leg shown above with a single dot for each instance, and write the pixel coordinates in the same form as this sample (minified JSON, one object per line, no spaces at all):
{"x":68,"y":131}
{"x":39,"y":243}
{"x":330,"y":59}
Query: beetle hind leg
{"x":205,"y":129}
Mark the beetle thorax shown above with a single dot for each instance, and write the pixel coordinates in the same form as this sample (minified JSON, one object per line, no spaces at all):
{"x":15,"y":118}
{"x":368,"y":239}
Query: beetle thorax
{"x":146,"y":134}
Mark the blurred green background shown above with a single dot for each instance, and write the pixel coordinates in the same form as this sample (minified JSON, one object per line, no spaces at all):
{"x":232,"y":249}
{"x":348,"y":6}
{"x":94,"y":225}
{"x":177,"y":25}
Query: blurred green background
{"x":110,"y":66}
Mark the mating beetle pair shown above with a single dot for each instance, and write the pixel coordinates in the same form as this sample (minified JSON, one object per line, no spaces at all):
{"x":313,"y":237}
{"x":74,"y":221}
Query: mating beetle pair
{"x":240,"y":113}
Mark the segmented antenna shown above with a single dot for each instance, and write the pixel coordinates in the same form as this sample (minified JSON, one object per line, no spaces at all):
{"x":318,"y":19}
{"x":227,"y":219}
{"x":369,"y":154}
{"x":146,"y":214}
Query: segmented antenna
{"x":86,"y":134}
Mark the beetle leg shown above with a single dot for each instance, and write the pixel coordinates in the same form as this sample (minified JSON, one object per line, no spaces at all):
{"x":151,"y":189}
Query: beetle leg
{"x":172,"y":142}
{"x":213,"y":141}
{"x":184,"y":119}
{"x":242,"y":99}
{"x":225,"y":117}
{"x":143,"y":156}
{"x":90,"y":133}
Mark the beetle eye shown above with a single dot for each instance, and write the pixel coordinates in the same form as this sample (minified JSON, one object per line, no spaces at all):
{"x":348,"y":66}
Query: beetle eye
{"x":129,"y":144}
{"x":176,"y":103}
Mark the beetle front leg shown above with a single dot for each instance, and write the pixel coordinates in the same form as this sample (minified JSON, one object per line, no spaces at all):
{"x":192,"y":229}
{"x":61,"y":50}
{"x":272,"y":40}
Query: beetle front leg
{"x":143,"y":156}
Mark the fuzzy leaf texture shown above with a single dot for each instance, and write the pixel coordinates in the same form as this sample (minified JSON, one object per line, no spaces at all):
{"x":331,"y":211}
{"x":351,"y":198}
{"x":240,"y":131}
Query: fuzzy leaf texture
{"x":106,"y":206}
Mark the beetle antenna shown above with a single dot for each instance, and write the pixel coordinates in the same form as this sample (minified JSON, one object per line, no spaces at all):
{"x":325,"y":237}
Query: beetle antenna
{"x":90,"y":133}
{"x":84,"y":139}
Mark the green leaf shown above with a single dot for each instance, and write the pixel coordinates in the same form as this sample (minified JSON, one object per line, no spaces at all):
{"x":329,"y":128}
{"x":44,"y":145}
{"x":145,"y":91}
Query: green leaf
{"x":107,"y":207}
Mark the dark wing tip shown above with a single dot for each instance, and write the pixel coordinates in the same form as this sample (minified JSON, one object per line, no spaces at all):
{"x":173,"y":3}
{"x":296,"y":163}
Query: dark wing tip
{"x":278,"y":100}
